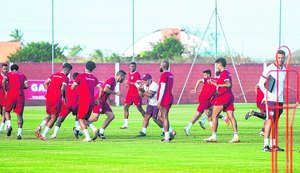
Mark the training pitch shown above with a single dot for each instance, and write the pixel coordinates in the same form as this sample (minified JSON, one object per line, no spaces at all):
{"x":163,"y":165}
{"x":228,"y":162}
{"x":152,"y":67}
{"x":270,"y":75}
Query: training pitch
{"x":123,"y":152}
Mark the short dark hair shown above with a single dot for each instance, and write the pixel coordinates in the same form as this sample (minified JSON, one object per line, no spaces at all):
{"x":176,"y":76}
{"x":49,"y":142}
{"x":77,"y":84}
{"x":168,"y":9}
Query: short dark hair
{"x":207,"y":72}
{"x":221,"y":61}
{"x":4,"y":65}
{"x":90,"y":65}
{"x":133,"y":63}
{"x":166,"y":64}
{"x":67,"y":65}
{"x":75,"y":75}
{"x":281,"y":52}
{"x":121,"y":73}
{"x":14,"y":67}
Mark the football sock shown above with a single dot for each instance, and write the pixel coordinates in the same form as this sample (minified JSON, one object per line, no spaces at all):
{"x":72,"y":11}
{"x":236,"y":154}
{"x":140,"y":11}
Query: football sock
{"x":162,"y":129}
{"x":214,"y":135}
{"x":170,"y":129}
{"x":203,"y":120}
{"x":144,"y":130}
{"x":19,"y":132}
{"x":45,"y":132}
{"x":42,"y":124}
{"x":272,"y":142}
{"x":1,"y":126}
{"x":259,"y":115}
{"x":8,"y":123}
{"x":167,"y":135}
{"x":93,"y":127}
{"x":126,"y":122}
{"x":189,"y":125}
{"x":235,"y":135}
{"x":210,"y":123}
{"x":77,"y":123}
{"x":101,"y":131}
{"x":78,"y":127}
{"x":266,"y":142}
{"x":86,"y":133}
{"x":56,"y":128}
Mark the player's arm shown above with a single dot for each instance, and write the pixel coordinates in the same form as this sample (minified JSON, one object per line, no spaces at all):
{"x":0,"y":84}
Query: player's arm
{"x":256,"y":88}
{"x":4,"y":81}
{"x":110,"y":91}
{"x":26,"y":85}
{"x":47,"y":83}
{"x":141,"y":91}
{"x":161,"y":92}
{"x":63,"y":91}
{"x":197,"y":85}
{"x":97,"y":100}
{"x":149,"y":94}
{"x":226,"y":84}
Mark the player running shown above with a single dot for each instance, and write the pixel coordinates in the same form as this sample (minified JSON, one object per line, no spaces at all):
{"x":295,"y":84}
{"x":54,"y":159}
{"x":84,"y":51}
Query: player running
{"x":4,"y":70}
{"x":70,"y":106}
{"x":205,"y":98}
{"x":56,"y":91}
{"x":14,"y":84}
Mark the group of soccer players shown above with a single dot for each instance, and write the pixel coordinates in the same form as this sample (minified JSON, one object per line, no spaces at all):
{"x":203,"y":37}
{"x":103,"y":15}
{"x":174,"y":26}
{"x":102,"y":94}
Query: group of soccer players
{"x":80,"y":97}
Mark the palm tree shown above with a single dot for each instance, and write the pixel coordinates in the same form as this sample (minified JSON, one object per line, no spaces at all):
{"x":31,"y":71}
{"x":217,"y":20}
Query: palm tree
{"x":17,"y":35}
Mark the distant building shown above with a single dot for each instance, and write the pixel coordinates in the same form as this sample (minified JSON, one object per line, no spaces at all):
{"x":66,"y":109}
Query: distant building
{"x":189,"y":41}
{"x":8,"y":48}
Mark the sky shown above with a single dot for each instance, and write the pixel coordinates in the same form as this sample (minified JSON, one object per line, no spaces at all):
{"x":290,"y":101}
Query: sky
{"x":251,"y":27}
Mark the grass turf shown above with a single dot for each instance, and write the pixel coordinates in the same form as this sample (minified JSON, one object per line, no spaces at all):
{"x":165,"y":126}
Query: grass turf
{"x":122,"y":151}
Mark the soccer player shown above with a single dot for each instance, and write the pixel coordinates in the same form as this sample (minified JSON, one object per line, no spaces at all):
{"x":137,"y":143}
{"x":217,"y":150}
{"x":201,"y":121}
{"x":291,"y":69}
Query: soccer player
{"x":262,"y":108}
{"x":132,"y":94}
{"x":273,"y":99}
{"x":165,"y":98}
{"x":4,"y":70}
{"x":149,"y":89}
{"x":224,"y":101}
{"x":205,"y":98}
{"x":14,"y":84}
{"x":102,"y":107}
{"x":56,"y":91}
{"x":86,"y":83}
{"x":70,"y":106}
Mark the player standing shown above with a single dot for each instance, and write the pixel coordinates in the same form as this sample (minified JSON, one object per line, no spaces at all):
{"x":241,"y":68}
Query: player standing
{"x":132,"y":94}
{"x":103,"y":107}
{"x":165,"y":98}
{"x":224,"y":101}
{"x":4,"y":70}
{"x":86,"y":83}
{"x":56,"y":91}
{"x":275,"y":96}
{"x":14,"y":84}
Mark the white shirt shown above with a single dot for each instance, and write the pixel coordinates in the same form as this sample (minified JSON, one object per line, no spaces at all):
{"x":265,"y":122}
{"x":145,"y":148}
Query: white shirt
{"x":154,"y":88}
{"x":279,"y":78}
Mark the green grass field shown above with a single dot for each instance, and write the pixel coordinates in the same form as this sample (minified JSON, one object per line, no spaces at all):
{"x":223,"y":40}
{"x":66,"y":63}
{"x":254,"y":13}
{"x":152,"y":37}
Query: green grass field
{"x":123,"y":152}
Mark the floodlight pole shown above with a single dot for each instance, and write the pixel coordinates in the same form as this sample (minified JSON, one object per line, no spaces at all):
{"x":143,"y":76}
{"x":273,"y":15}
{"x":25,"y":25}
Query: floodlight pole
{"x":216,"y":34}
{"x":132,"y":30}
{"x":280,"y":12}
{"x":52,"y":60}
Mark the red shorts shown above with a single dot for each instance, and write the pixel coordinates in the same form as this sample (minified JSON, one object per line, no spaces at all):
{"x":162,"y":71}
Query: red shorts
{"x":66,"y":109}
{"x":166,"y":106}
{"x":53,"y":107}
{"x":225,"y":100}
{"x":84,"y":110}
{"x":137,"y":100}
{"x":15,"y":103}
{"x":102,"y":108}
{"x":2,"y":97}
{"x":203,"y":105}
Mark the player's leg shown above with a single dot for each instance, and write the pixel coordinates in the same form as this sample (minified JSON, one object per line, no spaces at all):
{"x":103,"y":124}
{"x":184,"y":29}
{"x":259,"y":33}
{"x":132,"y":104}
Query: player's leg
{"x":126,"y":115}
{"x":109,"y":118}
{"x":230,"y":115}
{"x":38,"y":130}
{"x":216,"y":111}
{"x":84,"y":112}
{"x":19,"y":109}
{"x":145,"y":125}
{"x":9,"y":105}
{"x":187,"y":128}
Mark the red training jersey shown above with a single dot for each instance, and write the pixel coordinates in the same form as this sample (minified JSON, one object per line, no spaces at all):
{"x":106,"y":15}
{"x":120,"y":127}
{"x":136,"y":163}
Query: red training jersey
{"x":15,"y":83}
{"x":224,"y":76}
{"x":72,"y":95}
{"x":167,"y":78}
{"x":86,"y":84}
{"x":111,"y":82}
{"x":132,"y":78}
{"x":54,"y":89}
{"x":2,"y":93}
{"x":208,"y":90}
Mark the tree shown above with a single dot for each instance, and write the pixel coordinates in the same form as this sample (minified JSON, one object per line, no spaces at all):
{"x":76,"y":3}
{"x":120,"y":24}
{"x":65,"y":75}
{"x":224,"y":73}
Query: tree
{"x":170,"y":48}
{"x":97,"y":56}
{"x":75,"y":50}
{"x":38,"y":52}
{"x":17,"y":35}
